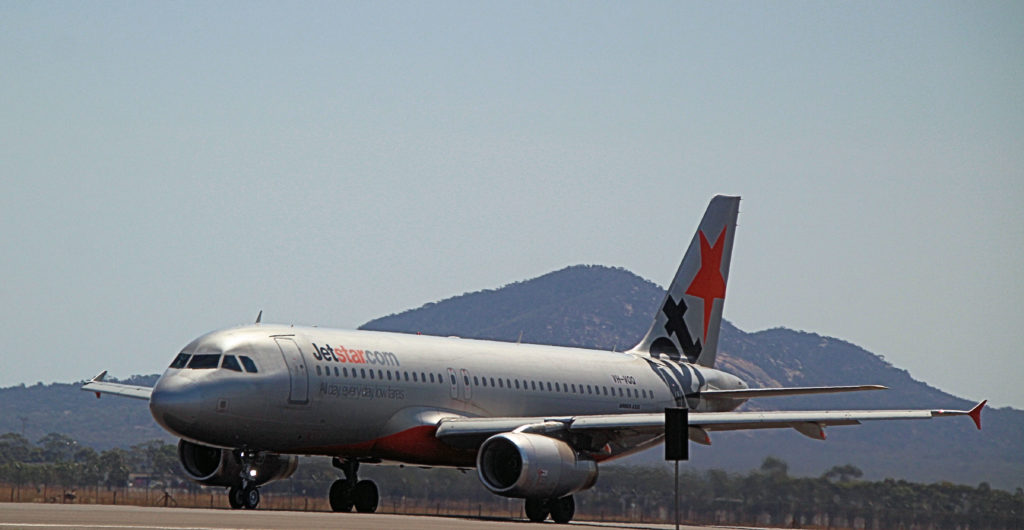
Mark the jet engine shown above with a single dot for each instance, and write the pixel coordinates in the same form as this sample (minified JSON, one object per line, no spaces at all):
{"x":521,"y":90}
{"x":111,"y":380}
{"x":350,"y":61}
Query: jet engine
{"x":222,"y":467}
{"x":533,"y":466}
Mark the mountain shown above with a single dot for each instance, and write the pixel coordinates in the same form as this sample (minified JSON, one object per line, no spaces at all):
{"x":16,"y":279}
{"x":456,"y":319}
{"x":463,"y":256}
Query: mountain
{"x":38,"y":410}
{"x":606,"y":308}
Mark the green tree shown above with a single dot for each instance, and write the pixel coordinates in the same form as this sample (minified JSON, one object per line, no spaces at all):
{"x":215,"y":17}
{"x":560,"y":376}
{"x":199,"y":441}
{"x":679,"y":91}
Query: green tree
{"x":114,"y":469}
{"x":845,"y":473}
{"x":57,"y":447}
{"x":16,"y":448}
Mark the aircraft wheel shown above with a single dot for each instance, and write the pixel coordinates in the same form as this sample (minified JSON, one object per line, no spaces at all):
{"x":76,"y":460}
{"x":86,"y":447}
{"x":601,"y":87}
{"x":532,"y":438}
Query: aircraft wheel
{"x":252,"y":498}
{"x":537,"y":510}
{"x":340,"y":496}
{"x":236,"y":497}
{"x":365,"y":496}
{"x":562,"y":509}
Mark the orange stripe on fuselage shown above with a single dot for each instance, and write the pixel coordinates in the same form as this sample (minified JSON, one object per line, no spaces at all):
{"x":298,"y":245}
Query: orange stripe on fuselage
{"x":417,"y":445}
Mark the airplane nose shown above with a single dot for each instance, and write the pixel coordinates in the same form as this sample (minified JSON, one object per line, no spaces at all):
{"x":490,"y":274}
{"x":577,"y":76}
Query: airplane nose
{"x":175,"y":403}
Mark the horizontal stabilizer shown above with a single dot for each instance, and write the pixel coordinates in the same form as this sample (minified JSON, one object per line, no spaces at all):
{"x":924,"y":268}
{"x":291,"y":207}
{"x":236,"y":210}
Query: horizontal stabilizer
{"x":749,"y":393}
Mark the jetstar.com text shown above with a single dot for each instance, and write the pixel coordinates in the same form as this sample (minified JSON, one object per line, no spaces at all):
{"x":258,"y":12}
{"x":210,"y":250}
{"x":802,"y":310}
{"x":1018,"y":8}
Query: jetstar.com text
{"x":344,"y":355}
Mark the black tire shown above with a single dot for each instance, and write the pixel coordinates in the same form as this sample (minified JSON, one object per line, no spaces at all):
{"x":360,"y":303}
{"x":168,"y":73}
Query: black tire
{"x":236,"y":498}
{"x":252,"y":498}
{"x":340,"y":496}
{"x":365,"y":496}
{"x":537,"y":510}
{"x":562,"y":509}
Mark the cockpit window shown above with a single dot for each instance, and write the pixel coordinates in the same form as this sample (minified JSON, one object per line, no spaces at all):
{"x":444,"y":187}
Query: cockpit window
{"x":181,"y":360}
{"x":202,"y":361}
{"x":231,"y":363}
{"x":248,"y":364}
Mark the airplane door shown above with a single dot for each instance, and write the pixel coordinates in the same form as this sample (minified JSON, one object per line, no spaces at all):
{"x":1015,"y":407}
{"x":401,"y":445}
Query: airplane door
{"x":298,"y":392}
{"x":454,"y":383}
{"x":467,"y":391}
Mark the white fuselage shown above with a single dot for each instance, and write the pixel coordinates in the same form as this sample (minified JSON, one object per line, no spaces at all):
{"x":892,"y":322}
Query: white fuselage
{"x":377,"y":395}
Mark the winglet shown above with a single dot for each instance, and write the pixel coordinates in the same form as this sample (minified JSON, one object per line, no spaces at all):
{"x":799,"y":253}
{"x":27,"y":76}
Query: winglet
{"x":100,"y":376}
{"x":259,"y":317}
{"x":975,"y":413}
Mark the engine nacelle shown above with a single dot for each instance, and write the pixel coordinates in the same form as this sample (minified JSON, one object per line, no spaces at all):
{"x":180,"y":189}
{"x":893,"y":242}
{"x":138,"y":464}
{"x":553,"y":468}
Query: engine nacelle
{"x":222,"y":467}
{"x":524,"y":465}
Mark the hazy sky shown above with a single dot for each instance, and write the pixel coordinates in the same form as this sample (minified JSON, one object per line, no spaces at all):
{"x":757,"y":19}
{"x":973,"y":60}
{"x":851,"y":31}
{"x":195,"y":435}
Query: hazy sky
{"x":172,"y":168}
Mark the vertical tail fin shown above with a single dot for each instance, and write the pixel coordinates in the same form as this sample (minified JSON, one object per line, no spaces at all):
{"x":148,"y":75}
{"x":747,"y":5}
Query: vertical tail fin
{"x":687,"y":324}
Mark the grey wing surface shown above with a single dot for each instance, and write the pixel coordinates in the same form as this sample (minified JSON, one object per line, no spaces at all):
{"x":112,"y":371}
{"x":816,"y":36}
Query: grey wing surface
{"x":99,"y":386}
{"x":617,"y":426}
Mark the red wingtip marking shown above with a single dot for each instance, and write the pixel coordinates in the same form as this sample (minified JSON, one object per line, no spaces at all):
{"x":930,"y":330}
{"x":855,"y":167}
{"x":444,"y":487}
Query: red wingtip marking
{"x":975,"y":413}
{"x":97,"y":395}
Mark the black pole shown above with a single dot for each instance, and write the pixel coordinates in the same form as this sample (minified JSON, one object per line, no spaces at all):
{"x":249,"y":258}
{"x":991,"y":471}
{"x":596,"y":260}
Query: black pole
{"x":677,"y":444}
{"x":677,"y":495}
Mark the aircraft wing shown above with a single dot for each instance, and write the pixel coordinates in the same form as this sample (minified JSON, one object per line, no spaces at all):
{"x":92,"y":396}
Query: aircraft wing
{"x":99,"y":386}
{"x":748,"y":393}
{"x":612,"y":426}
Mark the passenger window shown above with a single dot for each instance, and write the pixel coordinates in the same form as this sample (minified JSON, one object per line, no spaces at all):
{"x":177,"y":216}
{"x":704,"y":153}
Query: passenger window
{"x":492,"y":382}
{"x":406,"y":376}
{"x":533,"y":385}
{"x":500,"y":383}
{"x":588,"y":390}
{"x":557,"y":389}
{"x":371,"y":374}
{"x":517,"y":384}
{"x":248,"y":364}
{"x":620,"y":391}
{"x":574,"y":388}
{"x":231,"y":363}
{"x":415,"y":378}
{"x":431,"y":378}
{"x":362,"y":373}
{"x":336,"y":371}
{"x":181,"y":360}
{"x":389,"y":375}
{"x":205,"y":361}
{"x":549,"y":386}
{"x":318,"y":369}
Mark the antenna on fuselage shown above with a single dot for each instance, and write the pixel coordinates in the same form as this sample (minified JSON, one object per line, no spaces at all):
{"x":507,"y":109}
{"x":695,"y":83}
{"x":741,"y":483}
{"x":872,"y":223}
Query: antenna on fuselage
{"x":259,"y":317}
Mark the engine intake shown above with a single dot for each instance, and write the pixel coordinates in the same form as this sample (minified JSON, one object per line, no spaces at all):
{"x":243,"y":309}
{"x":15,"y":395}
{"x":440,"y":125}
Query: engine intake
{"x":524,"y":465}
{"x":222,"y":467}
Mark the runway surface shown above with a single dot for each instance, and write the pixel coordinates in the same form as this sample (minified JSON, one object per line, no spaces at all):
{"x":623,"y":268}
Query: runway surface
{"x":15,"y":515}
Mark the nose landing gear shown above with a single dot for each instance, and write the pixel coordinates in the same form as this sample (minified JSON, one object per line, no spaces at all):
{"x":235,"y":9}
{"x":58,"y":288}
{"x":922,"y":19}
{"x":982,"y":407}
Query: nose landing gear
{"x":351,"y":492}
{"x":247,"y":495}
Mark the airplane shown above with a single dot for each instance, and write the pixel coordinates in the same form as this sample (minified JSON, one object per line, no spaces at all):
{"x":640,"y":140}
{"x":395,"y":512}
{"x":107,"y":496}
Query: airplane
{"x":534,"y":420}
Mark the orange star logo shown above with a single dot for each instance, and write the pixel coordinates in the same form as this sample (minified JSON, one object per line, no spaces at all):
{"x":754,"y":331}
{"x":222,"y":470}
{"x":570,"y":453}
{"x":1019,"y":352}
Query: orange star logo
{"x":709,"y":284}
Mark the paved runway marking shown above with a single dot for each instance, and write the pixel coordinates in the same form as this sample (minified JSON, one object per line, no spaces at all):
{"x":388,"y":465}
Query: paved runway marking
{"x":79,"y":525}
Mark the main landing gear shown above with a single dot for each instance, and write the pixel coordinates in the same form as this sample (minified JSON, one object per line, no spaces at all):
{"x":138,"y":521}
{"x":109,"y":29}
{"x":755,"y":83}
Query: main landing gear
{"x":351,"y":492}
{"x":561,"y":510}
